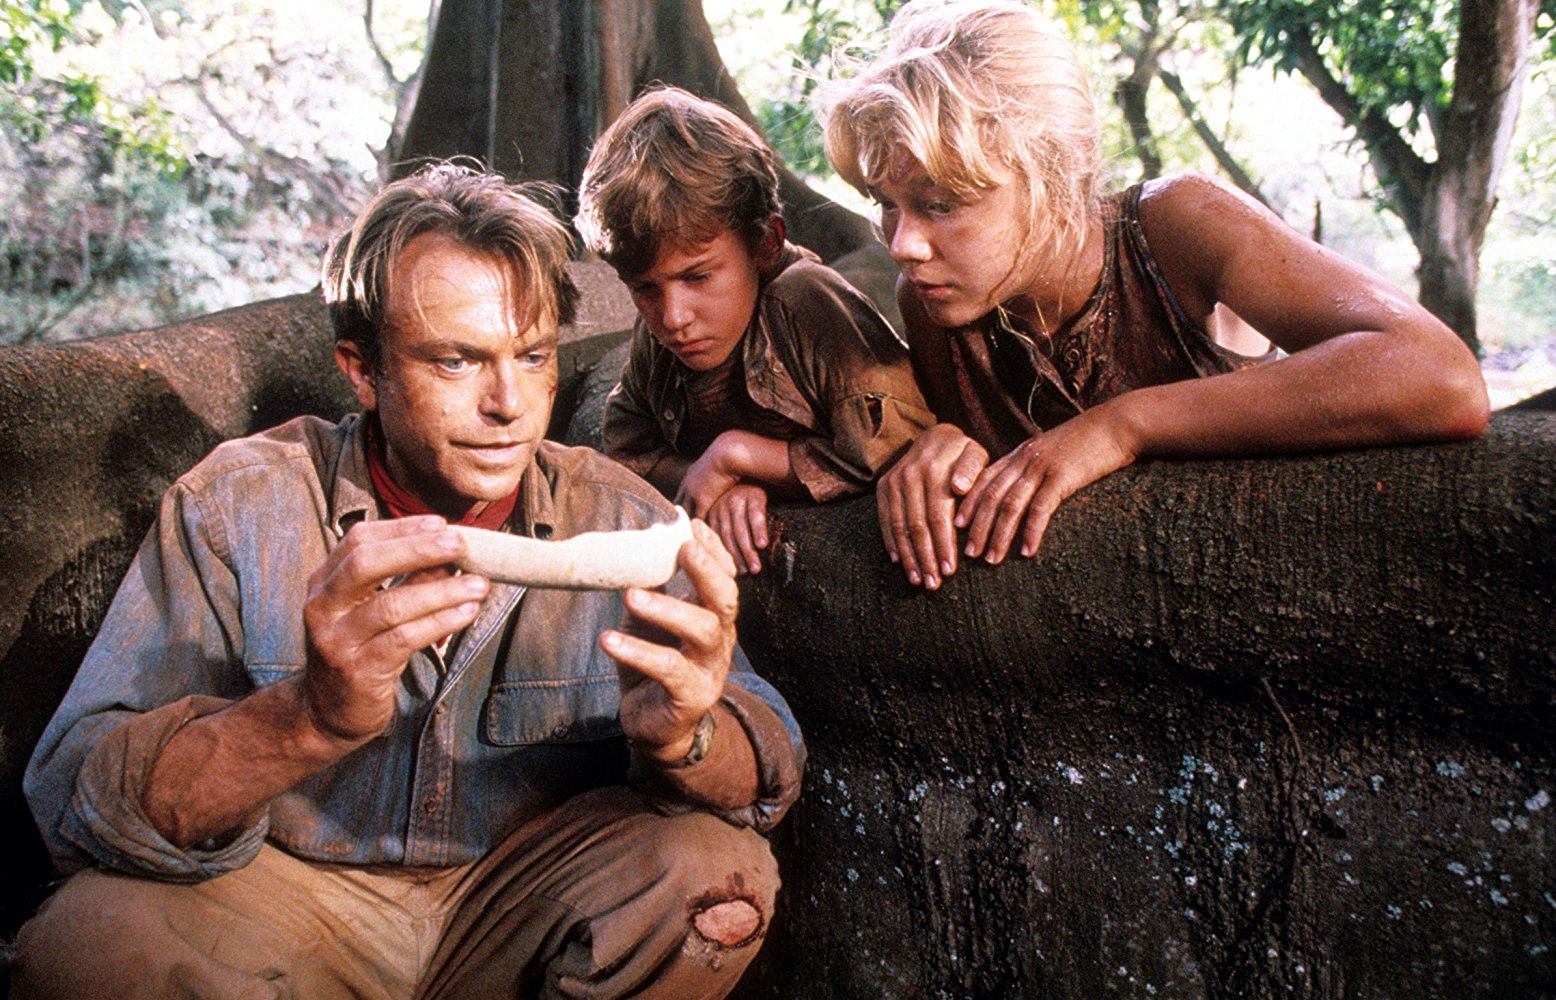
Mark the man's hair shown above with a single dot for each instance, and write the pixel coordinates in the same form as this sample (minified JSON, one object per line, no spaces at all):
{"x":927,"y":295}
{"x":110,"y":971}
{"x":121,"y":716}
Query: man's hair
{"x":481,"y":212}
{"x":672,"y":169}
{"x":975,"y":91}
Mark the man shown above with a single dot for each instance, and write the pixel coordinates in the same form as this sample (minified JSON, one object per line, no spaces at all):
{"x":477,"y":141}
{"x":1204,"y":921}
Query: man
{"x":304,"y":758}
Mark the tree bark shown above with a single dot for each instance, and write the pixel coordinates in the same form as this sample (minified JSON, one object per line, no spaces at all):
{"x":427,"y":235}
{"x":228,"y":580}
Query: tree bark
{"x":527,"y":85}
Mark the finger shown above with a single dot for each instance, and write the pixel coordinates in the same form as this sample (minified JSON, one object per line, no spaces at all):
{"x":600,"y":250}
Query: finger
{"x":368,"y":564}
{"x":746,"y":549}
{"x":982,"y":504}
{"x":1043,"y":506}
{"x":756,"y":517}
{"x":888,"y":513}
{"x":968,"y":465}
{"x":942,"y":528}
{"x":393,"y":648}
{"x":705,"y":637}
{"x":389,"y":609}
{"x":1009,"y":512}
{"x":690,"y":690}
{"x":708,"y":556}
{"x":912,"y":527}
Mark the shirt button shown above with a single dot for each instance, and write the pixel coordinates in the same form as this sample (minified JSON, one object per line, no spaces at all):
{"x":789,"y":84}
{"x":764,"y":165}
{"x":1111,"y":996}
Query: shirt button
{"x":669,"y":415}
{"x":430,"y":804}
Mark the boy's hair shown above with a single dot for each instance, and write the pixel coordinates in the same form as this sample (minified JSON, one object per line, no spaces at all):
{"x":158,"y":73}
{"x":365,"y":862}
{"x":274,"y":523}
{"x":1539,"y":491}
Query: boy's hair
{"x":975,"y":91}
{"x":674,"y":168}
{"x":481,"y":212}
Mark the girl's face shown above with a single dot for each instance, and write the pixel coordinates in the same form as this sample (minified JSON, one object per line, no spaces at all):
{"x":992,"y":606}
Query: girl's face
{"x":963,"y":254}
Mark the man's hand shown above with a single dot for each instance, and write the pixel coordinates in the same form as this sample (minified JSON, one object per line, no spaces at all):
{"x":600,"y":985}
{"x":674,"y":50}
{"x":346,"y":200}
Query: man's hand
{"x":740,"y":519}
{"x":361,"y":633}
{"x":1024,"y":488}
{"x":916,"y":502}
{"x":666,"y":689}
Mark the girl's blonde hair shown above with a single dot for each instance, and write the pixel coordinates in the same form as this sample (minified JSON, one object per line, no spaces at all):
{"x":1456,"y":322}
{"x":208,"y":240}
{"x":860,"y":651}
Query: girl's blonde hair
{"x":975,"y":91}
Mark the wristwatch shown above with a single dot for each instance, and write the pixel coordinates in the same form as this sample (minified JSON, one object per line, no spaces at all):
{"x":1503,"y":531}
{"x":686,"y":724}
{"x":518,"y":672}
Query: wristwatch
{"x":702,"y":739}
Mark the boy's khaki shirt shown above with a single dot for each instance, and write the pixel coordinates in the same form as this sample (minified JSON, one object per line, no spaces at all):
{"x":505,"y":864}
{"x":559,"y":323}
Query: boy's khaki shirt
{"x":816,"y":352}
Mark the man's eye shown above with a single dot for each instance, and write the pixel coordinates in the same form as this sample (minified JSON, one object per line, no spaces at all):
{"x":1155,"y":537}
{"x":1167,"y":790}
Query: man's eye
{"x":453,"y":365}
{"x":536,"y":359}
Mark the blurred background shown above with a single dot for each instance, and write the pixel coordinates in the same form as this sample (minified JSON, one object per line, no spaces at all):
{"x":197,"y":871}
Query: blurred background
{"x":161,"y":160}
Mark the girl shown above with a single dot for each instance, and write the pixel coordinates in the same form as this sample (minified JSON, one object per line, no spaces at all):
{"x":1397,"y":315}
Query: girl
{"x":1066,"y":333}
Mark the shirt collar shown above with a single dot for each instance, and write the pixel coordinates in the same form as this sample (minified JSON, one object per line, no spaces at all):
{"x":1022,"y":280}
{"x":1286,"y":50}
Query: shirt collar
{"x":352,"y":498}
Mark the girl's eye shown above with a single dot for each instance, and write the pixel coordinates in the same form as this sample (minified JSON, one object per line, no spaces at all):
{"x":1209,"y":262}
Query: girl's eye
{"x":940,"y":207}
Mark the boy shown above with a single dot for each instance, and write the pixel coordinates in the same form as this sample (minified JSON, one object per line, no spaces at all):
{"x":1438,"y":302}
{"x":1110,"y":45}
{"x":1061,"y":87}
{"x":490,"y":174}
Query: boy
{"x":755,"y":370}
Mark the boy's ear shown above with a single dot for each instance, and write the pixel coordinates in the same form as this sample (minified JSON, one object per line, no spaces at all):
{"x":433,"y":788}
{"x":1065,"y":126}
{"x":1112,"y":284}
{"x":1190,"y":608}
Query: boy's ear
{"x":771,"y":245}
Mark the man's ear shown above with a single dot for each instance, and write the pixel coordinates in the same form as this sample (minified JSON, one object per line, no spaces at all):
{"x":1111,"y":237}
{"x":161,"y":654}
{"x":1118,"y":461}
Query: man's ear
{"x":349,"y":359}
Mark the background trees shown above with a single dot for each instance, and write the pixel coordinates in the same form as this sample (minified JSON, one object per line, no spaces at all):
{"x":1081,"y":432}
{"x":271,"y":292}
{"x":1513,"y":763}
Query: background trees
{"x":194,"y":155}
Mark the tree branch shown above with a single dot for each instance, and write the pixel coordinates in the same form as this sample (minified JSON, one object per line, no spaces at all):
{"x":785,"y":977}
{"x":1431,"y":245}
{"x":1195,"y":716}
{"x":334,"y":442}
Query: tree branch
{"x":1212,"y":142}
{"x":1398,"y":167}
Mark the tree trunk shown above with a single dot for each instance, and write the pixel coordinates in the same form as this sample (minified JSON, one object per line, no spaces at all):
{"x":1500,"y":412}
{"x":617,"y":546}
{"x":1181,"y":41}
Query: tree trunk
{"x":526,"y":85}
{"x":1251,"y":728}
{"x":1489,"y":72}
{"x":1446,"y":204}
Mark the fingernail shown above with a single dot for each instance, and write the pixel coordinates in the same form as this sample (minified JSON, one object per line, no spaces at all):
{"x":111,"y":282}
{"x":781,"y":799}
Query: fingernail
{"x":946,"y":568}
{"x":611,"y":640}
{"x":960,"y":521}
{"x":913,"y":578}
{"x":932,"y":583}
{"x":961,"y":482}
{"x":971,"y":550}
{"x":475,"y":585}
{"x":448,"y":541}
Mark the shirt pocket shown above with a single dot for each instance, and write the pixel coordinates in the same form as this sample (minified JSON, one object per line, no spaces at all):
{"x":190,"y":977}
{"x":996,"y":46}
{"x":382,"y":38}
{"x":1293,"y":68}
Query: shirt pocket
{"x":571,"y":710}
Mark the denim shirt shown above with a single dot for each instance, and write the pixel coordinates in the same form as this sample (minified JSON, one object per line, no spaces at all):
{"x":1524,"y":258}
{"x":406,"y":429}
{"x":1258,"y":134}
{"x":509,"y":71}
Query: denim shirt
{"x":817,"y":353}
{"x":521,"y":715}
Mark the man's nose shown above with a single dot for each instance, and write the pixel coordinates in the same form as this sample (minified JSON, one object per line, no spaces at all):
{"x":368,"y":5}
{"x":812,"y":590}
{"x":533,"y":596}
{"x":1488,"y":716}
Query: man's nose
{"x":502,"y":399}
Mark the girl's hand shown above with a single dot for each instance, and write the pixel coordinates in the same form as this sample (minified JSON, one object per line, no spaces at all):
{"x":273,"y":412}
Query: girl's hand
{"x":1027,"y":485}
{"x":740,"y":518}
{"x":916,"y":500}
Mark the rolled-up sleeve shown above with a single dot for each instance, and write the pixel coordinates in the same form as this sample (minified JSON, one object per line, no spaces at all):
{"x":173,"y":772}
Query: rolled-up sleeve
{"x":170,"y":634}
{"x":853,"y":371}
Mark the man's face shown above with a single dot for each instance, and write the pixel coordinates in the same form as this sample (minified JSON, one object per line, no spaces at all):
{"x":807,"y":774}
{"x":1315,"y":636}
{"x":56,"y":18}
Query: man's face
{"x":697,"y":298}
{"x":463,"y":395}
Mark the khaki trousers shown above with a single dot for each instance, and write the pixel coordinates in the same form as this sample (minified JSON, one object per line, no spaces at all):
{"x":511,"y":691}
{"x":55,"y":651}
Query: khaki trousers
{"x":602,"y":897}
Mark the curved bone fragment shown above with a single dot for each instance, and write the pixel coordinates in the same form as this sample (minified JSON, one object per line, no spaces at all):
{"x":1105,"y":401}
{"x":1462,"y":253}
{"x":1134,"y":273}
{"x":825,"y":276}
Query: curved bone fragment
{"x":596,"y":560}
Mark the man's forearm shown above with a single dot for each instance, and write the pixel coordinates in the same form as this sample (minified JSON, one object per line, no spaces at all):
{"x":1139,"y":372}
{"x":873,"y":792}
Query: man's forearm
{"x":218,"y":773}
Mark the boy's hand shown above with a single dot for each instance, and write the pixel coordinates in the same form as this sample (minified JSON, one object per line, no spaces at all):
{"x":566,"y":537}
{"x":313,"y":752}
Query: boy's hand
{"x":666,"y":689}
{"x":706,"y":480}
{"x":740,"y":518}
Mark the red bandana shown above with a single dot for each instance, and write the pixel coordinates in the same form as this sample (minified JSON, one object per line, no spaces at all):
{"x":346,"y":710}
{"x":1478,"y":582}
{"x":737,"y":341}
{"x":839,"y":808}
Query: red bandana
{"x":402,"y":504}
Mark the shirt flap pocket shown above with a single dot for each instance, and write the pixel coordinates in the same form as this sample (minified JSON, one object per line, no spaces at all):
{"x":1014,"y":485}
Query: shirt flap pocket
{"x":575,"y":710}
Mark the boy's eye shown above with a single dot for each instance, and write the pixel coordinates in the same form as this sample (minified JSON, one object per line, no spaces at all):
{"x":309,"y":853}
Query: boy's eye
{"x":696,"y":277}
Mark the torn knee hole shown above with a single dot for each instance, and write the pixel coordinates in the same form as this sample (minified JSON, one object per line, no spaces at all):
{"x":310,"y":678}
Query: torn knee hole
{"x":728,"y":924}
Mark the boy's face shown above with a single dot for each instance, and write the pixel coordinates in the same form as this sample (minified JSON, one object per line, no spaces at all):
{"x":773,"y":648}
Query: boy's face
{"x":463,"y":395}
{"x":697,"y":298}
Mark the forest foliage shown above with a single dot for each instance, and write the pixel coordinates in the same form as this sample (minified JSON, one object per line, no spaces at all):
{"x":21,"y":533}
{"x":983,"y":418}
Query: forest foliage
{"x":164,"y":158}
